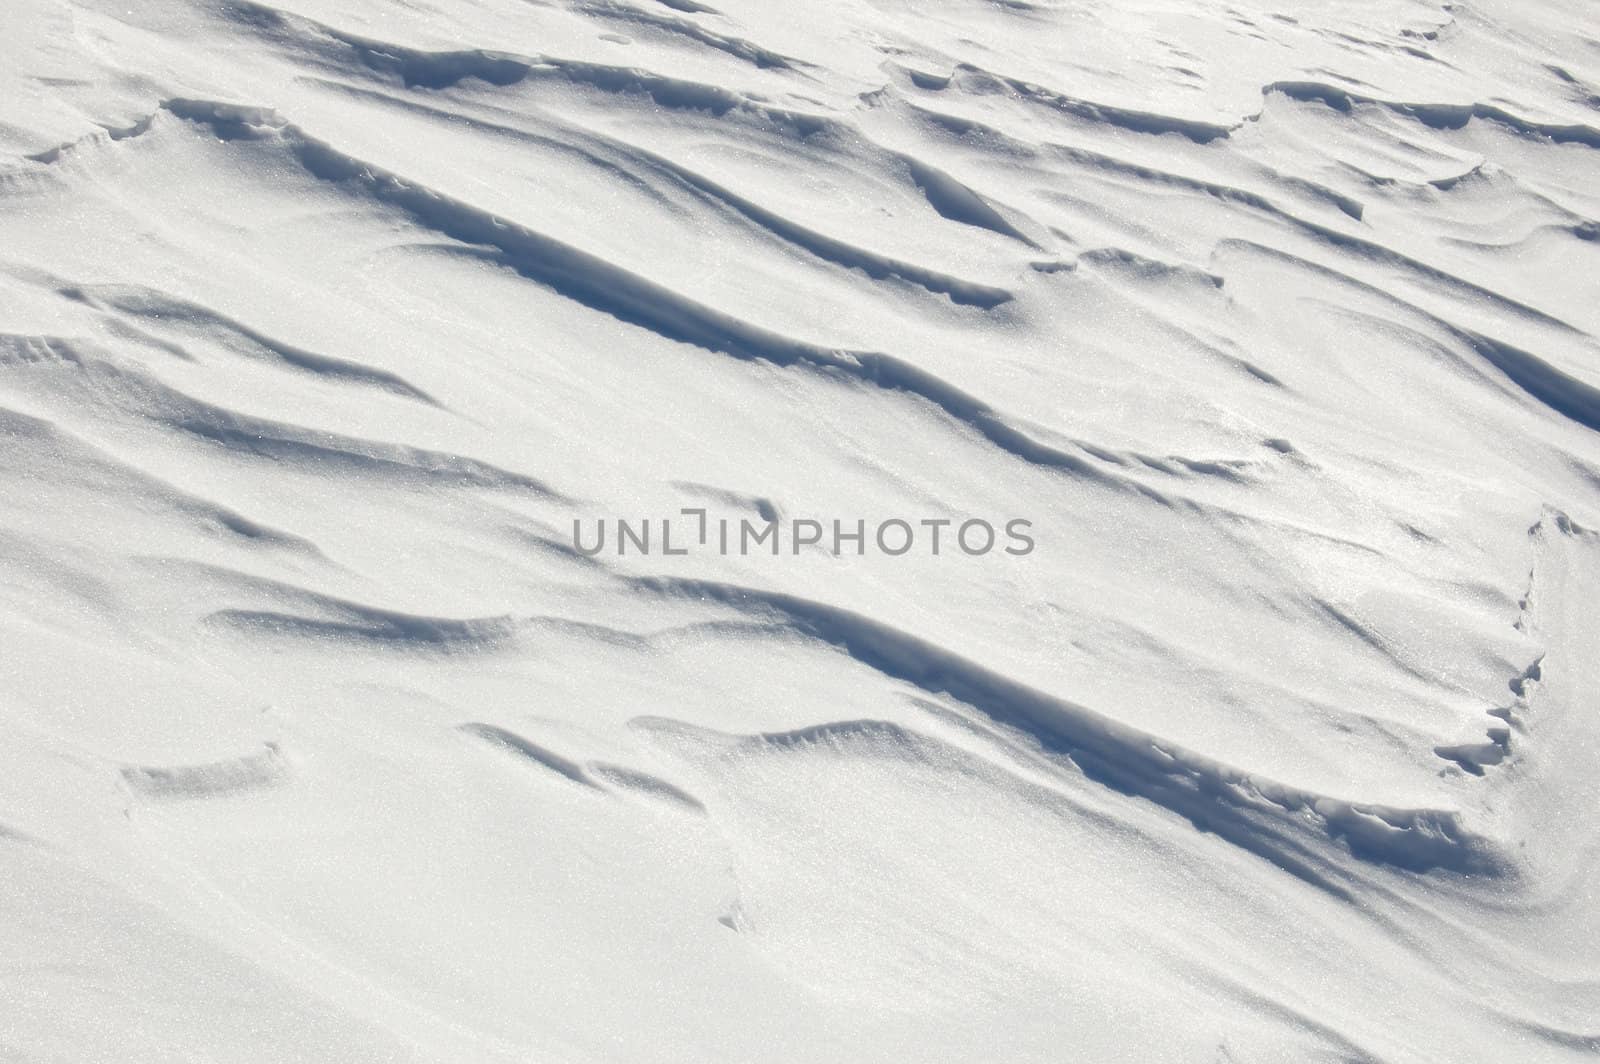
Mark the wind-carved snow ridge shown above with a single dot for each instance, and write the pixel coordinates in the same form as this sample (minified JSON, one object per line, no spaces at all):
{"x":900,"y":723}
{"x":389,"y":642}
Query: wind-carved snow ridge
{"x":220,"y":778}
{"x":1254,"y":812}
{"x":155,"y":308}
{"x":1441,"y":115}
{"x":332,"y":330}
{"x":613,"y":290}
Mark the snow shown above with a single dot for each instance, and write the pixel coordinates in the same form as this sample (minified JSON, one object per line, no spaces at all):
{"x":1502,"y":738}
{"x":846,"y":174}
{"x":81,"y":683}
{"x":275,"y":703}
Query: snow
{"x":324,"y":325}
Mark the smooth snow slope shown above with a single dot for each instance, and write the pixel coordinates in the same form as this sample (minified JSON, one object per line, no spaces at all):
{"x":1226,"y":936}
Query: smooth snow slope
{"x":322,"y":321}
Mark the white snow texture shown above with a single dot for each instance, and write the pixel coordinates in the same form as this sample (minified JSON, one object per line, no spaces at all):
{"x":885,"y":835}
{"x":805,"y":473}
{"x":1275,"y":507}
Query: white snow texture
{"x":1262,"y":335}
